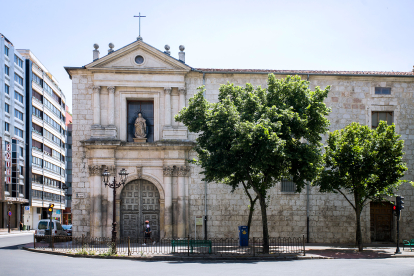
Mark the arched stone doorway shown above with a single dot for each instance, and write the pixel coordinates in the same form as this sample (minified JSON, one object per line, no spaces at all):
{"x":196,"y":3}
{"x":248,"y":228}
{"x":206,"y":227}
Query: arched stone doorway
{"x":140,"y":201}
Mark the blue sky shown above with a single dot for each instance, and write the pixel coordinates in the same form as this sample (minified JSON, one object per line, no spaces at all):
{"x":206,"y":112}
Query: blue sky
{"x":308,"y":35}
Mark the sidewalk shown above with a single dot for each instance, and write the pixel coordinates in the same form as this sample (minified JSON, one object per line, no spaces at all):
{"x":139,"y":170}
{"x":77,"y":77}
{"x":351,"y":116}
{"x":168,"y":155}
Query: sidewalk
{"x":4,"y":232}
{"x":319,"y":251}
{"x":371,"y":251}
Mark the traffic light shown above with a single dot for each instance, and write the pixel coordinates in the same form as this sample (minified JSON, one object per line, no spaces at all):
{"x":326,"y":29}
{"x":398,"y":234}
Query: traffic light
{"x":400,"y":203}
{"x":51,"y":207}
{"x":394,"y":209}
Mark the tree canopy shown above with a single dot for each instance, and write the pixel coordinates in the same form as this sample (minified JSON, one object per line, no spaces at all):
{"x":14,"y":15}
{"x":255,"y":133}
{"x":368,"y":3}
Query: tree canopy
{"x":362,"y":164}
{"x":259,"y":136}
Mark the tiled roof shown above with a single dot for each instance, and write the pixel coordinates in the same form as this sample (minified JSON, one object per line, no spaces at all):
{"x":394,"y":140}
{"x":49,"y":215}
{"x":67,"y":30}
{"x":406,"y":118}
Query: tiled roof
{"x":305,"y":72}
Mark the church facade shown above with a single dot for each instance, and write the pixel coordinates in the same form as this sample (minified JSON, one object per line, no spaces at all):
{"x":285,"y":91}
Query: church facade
{"x":123,"y":117}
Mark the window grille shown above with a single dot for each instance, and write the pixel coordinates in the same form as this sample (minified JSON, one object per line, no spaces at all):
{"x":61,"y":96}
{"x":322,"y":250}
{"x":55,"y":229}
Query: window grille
{"x":288,"y":186}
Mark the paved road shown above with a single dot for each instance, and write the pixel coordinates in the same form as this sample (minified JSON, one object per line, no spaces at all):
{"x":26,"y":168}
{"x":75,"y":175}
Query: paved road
{"x":14,"y":261}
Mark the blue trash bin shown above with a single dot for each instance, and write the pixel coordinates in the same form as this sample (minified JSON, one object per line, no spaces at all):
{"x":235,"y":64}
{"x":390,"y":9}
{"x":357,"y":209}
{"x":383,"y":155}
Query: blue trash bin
{"x":243,"y":236}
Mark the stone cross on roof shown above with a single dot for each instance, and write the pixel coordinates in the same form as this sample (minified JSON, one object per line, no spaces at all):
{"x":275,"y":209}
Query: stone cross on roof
{"x":139,"y":16}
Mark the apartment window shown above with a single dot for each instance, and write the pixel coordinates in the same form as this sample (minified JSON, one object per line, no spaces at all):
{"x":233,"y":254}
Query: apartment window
{"x":18,"y":61}
{"x":18,"y":79}
{"x":68,"y":171}
{"x":37,"y":79}
{"x":68,"y":184}
{"x":288,"y":186}
{"x":6,"y":89}
{"x":37,"y":96}
{"x":37,"y":161}
{"x":37,"y":129}
{"x":69,"y":146}
{"x":18,"y":132}
{"x":18,"y":114}
{"x":69,"y":159}
{"x":7,"y":70}
{"x":7,"y":108}
{"x":47,"y":150}
{"x":18,"y":96}
{"x":69,"y":133}
{"x":21,"y":170}
{"x":21,"y":152}
{"x":37,"y":112}
{"x":6,"y":51}
{"x":6,"y":126}
{"x":377,"y":116}
{"x":52,"y":122}
{"x":37,"y":145}
{"x":382,"y":90}
{"x":37,"y":178}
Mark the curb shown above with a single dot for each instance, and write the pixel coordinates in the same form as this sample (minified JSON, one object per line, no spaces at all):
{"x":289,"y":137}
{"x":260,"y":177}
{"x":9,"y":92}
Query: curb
{"x":181,"y":258}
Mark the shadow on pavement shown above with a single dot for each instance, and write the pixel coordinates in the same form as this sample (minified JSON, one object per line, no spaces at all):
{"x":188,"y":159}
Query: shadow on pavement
{"x":350,"y":254}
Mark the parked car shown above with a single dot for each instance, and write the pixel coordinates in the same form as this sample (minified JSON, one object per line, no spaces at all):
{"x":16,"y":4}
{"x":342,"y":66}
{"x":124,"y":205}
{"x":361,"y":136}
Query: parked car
{"x":68,"y":229}
{"x":43,"y":229}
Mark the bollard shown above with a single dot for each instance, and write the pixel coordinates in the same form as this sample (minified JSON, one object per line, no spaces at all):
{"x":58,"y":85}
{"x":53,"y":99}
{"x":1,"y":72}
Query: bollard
{"x":254,"y":250}
{"x":82,"y":242}
{"x":53,"y":242}
{"x":188,"y":246}
{"x":303,"y":241}
{"x":34,"y":241}
{"x":129,"y":247}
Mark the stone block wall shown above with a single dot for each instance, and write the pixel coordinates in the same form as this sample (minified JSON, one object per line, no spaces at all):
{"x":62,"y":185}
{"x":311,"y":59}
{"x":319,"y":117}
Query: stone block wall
{"x":331,"y":218}
{"x":82,"y":121}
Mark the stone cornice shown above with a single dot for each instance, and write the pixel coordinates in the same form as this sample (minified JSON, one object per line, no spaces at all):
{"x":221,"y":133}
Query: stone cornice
{"x":117,"y":144}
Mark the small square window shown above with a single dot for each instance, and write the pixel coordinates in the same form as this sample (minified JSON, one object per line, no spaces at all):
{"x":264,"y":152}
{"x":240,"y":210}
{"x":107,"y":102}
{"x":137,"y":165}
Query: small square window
{"x":6,"y":50}
{"x":7,"y":107}
{"x":7,"y":89}
{"x":6,"y":126}
{"x":7,"y":70}
{"x":382,"y":91}
{"x":288,"y":186}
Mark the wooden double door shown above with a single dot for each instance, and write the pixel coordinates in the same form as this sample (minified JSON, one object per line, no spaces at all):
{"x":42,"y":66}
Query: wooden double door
{"x":381,"y":218}
{"x":140,"y":202}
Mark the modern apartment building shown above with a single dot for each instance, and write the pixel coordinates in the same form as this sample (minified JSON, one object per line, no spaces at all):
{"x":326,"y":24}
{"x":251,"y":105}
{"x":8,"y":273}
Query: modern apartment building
{"x":14,"y":191}
{"x":67,"y":213}
{"x":46,"y":139}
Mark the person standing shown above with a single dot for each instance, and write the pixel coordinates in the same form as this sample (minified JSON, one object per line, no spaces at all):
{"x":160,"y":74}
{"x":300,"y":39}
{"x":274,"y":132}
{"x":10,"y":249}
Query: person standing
{"x":147,"y":233}
{"x":21,"y":225}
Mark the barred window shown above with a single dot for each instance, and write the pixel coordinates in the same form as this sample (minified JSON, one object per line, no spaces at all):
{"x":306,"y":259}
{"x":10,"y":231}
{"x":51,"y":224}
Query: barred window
{"x":288,"y":186}
{"x":378,"y":116}
{"x":383,"y":90}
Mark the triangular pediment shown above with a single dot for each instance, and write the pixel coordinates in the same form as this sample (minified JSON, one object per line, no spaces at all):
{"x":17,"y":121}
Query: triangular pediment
{"x":149,"y":59}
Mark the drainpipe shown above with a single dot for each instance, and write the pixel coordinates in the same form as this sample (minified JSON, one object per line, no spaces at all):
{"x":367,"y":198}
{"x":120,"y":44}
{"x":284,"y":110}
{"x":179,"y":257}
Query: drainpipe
{"x":205,"y":182}
{"x":307,"y":212}
{"x":307,"y":202}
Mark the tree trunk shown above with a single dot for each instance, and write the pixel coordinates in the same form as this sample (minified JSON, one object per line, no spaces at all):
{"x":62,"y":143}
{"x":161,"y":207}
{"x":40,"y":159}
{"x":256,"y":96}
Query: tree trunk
{"x":251,"y":210}
{"x":358,"y":210}
{"x":262,"y":200}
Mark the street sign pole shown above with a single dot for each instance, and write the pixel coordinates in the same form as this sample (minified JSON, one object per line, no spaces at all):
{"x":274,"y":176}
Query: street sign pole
{"x":397,"y":251}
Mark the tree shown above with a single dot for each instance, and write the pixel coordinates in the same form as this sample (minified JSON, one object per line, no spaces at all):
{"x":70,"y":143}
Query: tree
{"x":364,"y":163}
{"x":259,"y":136}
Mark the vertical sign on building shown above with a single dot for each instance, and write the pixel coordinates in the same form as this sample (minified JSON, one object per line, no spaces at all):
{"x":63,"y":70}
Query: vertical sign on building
{"x":2,"y":176}
{"x":7,"y":158}
{"x":15,"y":169}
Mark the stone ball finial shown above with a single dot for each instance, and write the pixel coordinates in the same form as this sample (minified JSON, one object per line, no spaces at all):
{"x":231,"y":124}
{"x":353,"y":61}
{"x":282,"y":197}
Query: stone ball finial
{"x":111,"y":45}
{"x":182,"y":48}
{"x":96,"y":46}
{"x":167,"y":47}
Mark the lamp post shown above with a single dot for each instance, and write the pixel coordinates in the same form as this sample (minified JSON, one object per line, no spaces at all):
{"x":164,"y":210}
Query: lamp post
{"x":114,"y":185}
{"x":9,"y":203}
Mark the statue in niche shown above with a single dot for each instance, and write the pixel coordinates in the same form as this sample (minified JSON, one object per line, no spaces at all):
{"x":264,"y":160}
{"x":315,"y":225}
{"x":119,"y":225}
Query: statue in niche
{"x":140,"y":127}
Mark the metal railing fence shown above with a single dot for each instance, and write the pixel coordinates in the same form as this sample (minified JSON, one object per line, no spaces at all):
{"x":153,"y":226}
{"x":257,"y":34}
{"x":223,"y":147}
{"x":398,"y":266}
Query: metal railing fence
{"x":190,"y":247}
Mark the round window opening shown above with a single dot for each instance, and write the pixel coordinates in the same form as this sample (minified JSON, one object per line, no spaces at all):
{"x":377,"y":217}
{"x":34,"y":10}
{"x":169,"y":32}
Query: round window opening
{"x":139,"y":60}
